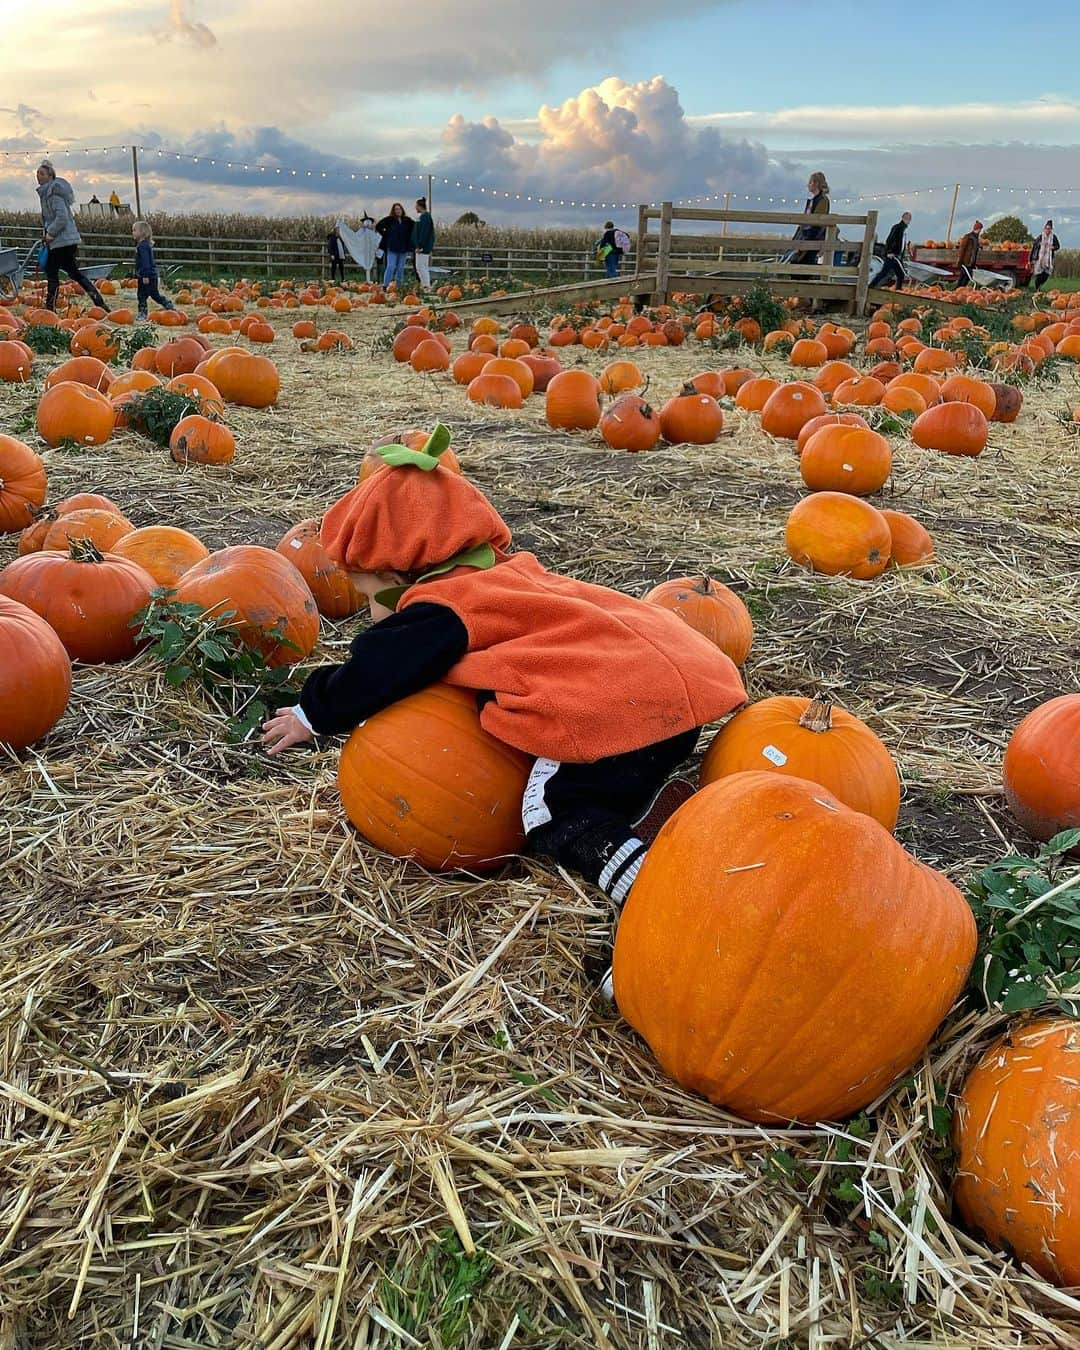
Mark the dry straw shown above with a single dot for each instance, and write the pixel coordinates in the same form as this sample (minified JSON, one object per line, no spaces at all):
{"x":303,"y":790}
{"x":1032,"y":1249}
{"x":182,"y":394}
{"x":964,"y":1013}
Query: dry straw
{"x":262,"y":1087}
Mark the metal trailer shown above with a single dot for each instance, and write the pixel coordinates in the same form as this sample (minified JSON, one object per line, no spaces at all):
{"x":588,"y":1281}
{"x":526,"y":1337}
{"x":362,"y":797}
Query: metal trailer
{"x":13,"y":271}
{"x":999,"y":268}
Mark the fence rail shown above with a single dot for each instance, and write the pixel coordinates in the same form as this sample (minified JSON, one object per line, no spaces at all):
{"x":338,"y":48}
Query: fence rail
{"x":307,"y":257}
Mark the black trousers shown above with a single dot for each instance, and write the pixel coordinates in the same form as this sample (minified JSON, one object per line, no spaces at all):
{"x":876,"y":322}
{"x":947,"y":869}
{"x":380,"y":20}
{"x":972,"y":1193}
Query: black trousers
{"x":66,"y":259}
{"x":892,"y":270}
{"x":337,"y":268}
{"x":965,"y":278}
{"x":1040,"y":279}
{"x":580,"y":815}
{"x":148,"y":290}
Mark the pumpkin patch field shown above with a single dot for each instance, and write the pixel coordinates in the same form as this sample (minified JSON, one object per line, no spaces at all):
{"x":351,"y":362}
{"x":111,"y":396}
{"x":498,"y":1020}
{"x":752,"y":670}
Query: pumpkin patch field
{"x":265,"y":1083}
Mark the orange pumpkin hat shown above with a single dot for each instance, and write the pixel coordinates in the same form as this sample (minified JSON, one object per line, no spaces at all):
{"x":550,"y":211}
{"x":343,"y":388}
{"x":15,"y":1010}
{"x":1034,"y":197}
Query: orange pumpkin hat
{"x":411,"y":516}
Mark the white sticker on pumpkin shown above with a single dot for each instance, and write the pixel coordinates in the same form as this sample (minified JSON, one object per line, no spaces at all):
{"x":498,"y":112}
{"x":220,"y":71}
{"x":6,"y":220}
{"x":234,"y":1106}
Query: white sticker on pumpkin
{"x":775,"y":756}
{"x":296,"y":543}
{"x":848,"y":468}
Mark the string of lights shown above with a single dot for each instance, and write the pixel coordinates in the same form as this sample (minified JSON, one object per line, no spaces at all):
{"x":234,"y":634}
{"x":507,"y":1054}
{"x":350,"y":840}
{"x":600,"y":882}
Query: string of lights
{"x":274,"y":172}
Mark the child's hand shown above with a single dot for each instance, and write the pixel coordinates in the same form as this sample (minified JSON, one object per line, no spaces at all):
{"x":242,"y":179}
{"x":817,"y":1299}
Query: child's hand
{"x":284,"y":729}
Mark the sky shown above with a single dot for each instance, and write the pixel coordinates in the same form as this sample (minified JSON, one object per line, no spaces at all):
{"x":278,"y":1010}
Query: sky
{"x":545,"y":104}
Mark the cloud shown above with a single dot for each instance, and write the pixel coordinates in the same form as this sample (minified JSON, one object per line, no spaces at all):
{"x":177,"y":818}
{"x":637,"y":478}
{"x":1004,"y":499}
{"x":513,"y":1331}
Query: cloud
{"x":182,"y":28}
{"x":26,"y":118}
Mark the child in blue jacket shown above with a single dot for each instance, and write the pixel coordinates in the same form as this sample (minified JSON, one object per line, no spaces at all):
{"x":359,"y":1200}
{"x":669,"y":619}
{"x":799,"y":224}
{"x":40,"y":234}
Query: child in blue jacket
{"x":146,"y":268}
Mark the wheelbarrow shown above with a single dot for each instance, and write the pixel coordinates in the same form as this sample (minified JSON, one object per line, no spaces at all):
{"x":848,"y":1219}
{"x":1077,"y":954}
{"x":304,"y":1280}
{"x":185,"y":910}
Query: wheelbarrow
{"x":13,"y":271}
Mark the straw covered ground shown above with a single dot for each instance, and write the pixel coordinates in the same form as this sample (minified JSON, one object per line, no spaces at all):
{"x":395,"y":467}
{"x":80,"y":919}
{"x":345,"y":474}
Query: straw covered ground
{"x":261,"y":1086}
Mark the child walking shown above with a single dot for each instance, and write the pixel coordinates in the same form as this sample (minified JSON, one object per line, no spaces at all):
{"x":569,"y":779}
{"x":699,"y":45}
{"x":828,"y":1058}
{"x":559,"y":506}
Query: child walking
{"x":607,"y":693}
{"x":146,"y":268}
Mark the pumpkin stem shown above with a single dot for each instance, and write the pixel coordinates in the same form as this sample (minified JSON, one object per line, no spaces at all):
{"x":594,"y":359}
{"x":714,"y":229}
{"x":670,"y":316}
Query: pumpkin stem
{"x":702,"y":584}
{"x":84,"y":550}
{"x":818,"y":715}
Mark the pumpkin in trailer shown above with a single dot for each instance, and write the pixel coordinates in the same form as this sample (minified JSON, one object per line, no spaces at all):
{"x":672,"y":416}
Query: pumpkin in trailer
{"x":846,"y":459}
{"x":23,"y":485}
{"x":781,"y":954}
{"x":954,"y":428}
{"x":1041,"y":770}
{"x":422,"y":779}
{"x":572,"y":401}
{"x":165,"y":551}
{"x":691,"y":418}
{"x":73,"y":412}
{"x":629,"y":423}
{"x":272,"y":606}
{"x":1016,"y":1130}
{"x":837,"y":534}
{"x":709,"y":608}
{"x":811,"y":739}
{"x":201,"y":440}
{"x":87,"y":597}
{"x":35,"y":676}
{"x":912,"y":545}
{"x":331,"y":584}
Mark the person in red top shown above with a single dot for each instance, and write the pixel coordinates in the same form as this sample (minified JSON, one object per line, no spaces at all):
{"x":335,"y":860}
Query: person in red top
{"x":607,"y":693}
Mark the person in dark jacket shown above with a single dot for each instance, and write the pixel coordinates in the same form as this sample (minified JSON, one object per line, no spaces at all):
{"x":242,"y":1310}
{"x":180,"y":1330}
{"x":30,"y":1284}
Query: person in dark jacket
{"x":612,"y":246}
{"x":336,"y":253}
{"x":1043,"y":252}
{"x":969,"y":255}
{"x":61,"y":236}
{"x":395,"y":231}
{"x":423,"y":241}
{"x":605,"y":693}
{"x":817,"y":204}
{"x":895,"y":244}
{"x":146,"y":272}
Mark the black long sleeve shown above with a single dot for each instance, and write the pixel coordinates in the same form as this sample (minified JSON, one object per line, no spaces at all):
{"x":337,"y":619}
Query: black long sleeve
{"x":390,"y":660}
{"x":895,"y":242}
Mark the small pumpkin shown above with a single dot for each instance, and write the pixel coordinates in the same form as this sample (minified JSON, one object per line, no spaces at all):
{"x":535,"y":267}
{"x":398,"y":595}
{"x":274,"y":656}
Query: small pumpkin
{"x":244,"y":378}
{"x":87,"y":597}
{"x":630,"y":424}
{"x":837,"y":534}
{"x":782,"y":955}
{"x":495,"y":391}
{"x":691,"y":418}
{"x":912,"y":545}
{"x":619,"y":376}
{"x":711,"y":609}
{"x":422,"y":779}
{"x":812,"y":739}
{"x":517,"y":370}
{"x":335,"y":593}
{"x":1042,"y":769}
{"x":201,"y":440}
{"x":1008,"y":400}
{"x":165,"y":551}
{"x":23,"y":484}
{"x":35,"y":676}
{"x":16,"y":362}
{"x":101,"y":527}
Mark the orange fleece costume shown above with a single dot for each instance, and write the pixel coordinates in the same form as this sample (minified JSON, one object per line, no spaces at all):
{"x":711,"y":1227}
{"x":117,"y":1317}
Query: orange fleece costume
{"x":578,"y":672}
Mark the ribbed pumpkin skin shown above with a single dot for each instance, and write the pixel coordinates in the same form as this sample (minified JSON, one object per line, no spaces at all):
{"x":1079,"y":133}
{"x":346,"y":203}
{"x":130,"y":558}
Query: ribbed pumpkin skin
{"x":782,"y":954}
{"x":835,"y":533}
{"x":711,"y":609}
{"x":165,"y":551}
{"x":265,"y":591}
{"x":89,"y":605}
{"x":1017,"y":1135}
{"x":846,"y":758}
{"x":422,"y":779}
{"x":23,"y":484}
{"x":330,"y":584}
{"x":35,"y":676}
{"x":1042,"y":769}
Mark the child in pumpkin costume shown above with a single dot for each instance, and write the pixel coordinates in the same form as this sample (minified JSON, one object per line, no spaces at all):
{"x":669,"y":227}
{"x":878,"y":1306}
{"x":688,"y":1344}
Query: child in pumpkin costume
{"x":607,"y":693}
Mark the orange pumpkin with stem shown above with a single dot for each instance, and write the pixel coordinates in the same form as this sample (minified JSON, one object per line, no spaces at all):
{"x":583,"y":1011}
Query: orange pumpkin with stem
{"x":86,"y":370}
{"x":809,"y":738}
{"x":422,"y":779}
{"x":782,"y":955}
{"x":23,"y":484}
{"x":691,"y":418}
{"x":837,"y":534}
{"x":1042,"y":769}
{"x":629,"y":423}
{"x":35,"y":676}
{"x":711,"y":609}
{"x":619,"y":376}
{"x":102,"y":528}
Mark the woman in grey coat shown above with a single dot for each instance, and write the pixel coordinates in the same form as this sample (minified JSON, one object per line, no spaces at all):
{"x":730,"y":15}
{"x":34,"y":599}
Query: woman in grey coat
{"x":61,"y":234}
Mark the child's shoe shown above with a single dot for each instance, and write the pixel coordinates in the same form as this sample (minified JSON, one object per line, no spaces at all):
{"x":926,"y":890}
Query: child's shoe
{"x":663,"y":806}
{"x":142,"y":316}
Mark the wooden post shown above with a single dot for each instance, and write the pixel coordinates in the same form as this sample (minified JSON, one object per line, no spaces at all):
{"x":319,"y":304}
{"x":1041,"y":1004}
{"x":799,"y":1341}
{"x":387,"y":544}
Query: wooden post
{"x":723,"y":227}
{"x":827,"y":255}
{"x":639,"y":242}
{"x":135,"y":175}
{"x":430,"y":182}
{"x":952,"y":213}
{"x":862,"y":280}
{"x":663,"y":256}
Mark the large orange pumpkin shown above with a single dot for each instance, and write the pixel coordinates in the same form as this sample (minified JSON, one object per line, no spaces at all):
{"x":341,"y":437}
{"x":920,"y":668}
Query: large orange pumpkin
{"x":244,"y":378}
{"x":782,"y":954}
{"x":103,"y":528}
{"x":835,"y":533}
{"x":691,"y":418}
{"x":88,"y":598}
{"x":70,"y":411}
{"x":629,"y":423}
{"x":422,"y":779}
{"x":572,"y":401}
{"x":23,"y":484}
{"x":165,"y":551}
{"x":273,"y":608}
{"x":16,"y":362}
{"x":35,"y":676}
{"x":331,"y":585}
{"x":495,"y":391}
{"x":912,"y":545}
{"x":831,"y":419}
{"x":86,"y":370}
{"x":711,"y":609}
{"x":789,"y":408}
{"x":809,"y":738}
{"x":1042,"y":768}
{"x":955,"y":428}
{"x":846,"y":459}
{"x":1017,"y":1136}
